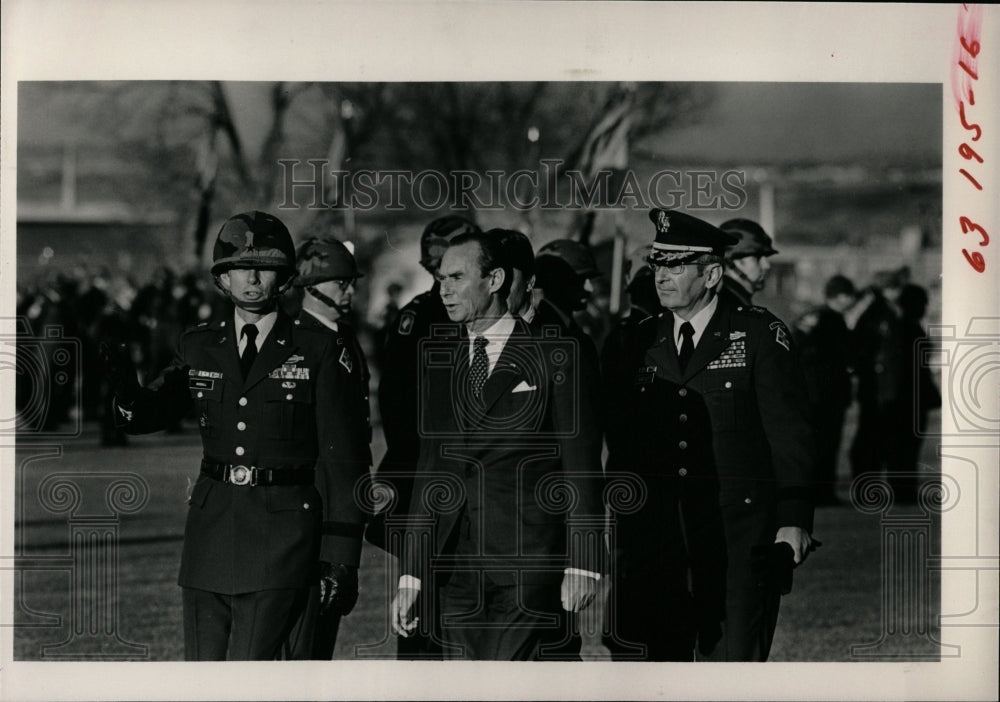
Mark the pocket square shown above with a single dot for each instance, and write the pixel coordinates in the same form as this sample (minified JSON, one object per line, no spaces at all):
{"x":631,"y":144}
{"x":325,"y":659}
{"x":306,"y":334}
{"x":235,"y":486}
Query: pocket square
{"x":524,"y":387}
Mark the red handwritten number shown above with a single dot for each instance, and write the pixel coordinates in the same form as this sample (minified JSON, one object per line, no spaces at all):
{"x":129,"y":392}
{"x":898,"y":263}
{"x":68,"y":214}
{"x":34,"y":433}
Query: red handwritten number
{"x":971,"y":179}
{"x":972,"y":48}
{"x":968,"y":153}
{"x":967,"y":125}
{"x":975,"y":260}
{"x":971,"y":72}
{"x":969,"y":226}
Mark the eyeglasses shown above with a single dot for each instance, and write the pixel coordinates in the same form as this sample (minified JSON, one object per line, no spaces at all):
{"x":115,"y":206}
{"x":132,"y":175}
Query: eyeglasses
{"x":672,"y":268}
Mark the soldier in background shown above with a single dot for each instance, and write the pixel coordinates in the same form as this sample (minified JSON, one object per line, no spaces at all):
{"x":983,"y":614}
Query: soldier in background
{"x":521,"y":257}
{"x":562,"y":270}
{"x":878,"y":366}
{"x":825,"y":348}
{"x":746,"y":263}
{"x":397,"y":399}
{"x":274,"y":506}
{"x":327,"y":273}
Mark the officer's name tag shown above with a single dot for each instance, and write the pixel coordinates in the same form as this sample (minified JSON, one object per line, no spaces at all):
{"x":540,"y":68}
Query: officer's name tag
{"x":290,"y":373}
{"x":735,"y":356}
{"x":204,"y":374}
{"x":645,"y":375}
{"x":201,"y":383}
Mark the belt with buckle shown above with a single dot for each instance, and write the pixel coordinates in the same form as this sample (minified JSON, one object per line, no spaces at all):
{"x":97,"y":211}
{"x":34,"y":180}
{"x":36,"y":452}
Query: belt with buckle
{"x":253,"y":476}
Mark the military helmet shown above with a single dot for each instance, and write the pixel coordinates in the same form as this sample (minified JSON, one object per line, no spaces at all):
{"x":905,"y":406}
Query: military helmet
{"x":253,"y":240}
{"x":439,"y":233}
{"x":320,"y":260}
{"x":575,"y":254}
{"x":753,"y":240}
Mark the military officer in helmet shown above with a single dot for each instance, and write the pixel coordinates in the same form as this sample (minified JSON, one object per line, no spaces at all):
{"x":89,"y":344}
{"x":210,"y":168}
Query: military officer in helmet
{"x":273,"y":506}
{"x":717,"y":428}
{"x":397,"y":399}
{"x":327,"y":273}
{"x":746,"y":261}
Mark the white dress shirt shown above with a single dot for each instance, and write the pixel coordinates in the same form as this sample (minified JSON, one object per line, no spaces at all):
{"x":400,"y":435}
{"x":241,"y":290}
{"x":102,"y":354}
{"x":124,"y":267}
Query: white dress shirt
{"x":699,"y":322}
{"x":264,"y":326}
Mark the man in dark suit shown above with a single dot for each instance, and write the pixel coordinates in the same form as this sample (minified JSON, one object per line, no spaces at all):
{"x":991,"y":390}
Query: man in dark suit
{"x":397,"y":403}
{"x":274,"y":506}
{"x":507,"y":503}
{"x":717,"y":426}
{"x":327,"y":273}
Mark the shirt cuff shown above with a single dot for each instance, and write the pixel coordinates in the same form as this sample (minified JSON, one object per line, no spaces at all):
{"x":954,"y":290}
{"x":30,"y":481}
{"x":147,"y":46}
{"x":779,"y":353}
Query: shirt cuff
{"x":409,"y":581}
{"x":578,"y":571}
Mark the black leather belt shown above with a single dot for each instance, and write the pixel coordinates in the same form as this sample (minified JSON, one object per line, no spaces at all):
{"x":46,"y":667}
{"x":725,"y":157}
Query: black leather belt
{"x":252,"y":475}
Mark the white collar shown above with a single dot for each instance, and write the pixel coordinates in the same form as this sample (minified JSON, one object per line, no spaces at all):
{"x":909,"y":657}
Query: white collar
{"x":264,"y":326}
{"x":699,"y":322}
{"x":497,"y":333}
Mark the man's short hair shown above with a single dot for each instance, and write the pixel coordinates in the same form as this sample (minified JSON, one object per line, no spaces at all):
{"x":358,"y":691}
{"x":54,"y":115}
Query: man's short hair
{"x":839,"y":285}
{"x":517,"y":249}
{"x":491,"y":256}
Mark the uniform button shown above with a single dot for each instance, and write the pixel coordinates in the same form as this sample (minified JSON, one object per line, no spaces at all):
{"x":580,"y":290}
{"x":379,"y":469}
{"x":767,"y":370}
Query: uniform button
{"x":682,"y":392}
{"x":682,"y":472}
{"x":305,"y":505}
{"x":729,"y":383}
{"x":243,"y":402}
{"x":240,"y":450}
{"x":748,"y":500}
{"x":642,"y":389}
{"x":201,"y":394}
{"x":683,"y":418}
{"x":682,"y":444}
{"x":242,"y":426}
{"x":289,"y":396}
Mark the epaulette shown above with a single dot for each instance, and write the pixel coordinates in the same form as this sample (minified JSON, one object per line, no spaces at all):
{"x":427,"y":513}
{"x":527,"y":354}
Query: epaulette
{"x":204,"y":327}
{"x":752,"y":309}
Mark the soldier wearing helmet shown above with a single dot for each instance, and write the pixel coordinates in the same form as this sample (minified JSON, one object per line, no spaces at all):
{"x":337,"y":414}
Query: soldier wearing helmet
{"x":273,"y":505}
{"x":327,"y":272}
{"x":563,"y":270}
{"x":397,"y":399}
{"x":746,"y":263}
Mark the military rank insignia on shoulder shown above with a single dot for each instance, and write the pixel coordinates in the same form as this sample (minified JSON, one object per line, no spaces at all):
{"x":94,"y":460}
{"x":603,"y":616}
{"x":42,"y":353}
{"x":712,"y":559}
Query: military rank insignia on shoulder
{"x":406,"y":320}
{"x":781,"y":336}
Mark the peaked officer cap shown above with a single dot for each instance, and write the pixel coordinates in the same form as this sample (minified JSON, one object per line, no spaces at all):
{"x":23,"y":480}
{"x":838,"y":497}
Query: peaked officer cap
{"x":681,"y":238}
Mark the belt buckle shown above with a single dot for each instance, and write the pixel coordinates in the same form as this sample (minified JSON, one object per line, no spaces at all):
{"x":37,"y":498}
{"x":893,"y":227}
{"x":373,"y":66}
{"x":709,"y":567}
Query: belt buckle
{"x":240,"y":475}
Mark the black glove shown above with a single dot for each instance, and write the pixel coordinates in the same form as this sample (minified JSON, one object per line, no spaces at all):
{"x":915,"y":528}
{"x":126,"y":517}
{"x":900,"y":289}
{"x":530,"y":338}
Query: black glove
{"x":338,"y":587}
{"x":120,"y":371}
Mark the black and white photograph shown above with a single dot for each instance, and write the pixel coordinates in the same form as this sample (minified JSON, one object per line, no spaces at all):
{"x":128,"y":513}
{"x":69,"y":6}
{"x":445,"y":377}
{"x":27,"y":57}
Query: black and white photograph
{"x":371,"y":352}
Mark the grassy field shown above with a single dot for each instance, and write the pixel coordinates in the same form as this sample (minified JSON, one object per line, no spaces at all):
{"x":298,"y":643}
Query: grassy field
{"x":837,"y":601}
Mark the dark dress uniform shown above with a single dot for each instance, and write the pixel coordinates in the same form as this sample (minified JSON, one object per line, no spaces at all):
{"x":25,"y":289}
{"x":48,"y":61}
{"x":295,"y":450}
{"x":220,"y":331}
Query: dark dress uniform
{"x":736,"y":293}
{"x":824,"y":345}
{"x":314,"y":636}
{"x":397,"y":401}
{"x":276,"y":490}
{"x":732,"y":424}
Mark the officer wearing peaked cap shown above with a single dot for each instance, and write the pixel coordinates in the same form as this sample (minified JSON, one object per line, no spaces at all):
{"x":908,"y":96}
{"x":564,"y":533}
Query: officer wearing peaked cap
{"x":327,"y":273}
{"x":398,"y":401}
{"x":747,"y":260}
{"x":273,"y":505}
{"x":717,"y":430}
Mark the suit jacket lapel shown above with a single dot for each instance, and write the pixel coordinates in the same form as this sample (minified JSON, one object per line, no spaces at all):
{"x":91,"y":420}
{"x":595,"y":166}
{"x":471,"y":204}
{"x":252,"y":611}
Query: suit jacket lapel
{"x":278,"y":346}
{"x":506,"y":373}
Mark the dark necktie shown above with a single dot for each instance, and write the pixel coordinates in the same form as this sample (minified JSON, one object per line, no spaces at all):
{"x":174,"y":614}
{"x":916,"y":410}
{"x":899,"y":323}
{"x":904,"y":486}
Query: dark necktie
{"x":687,"y":344}
{"x":250,"y":352}
{"x":480,"y":366}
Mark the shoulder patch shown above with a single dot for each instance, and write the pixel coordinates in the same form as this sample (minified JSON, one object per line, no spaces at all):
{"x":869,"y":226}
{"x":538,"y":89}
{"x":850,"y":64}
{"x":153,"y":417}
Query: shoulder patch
{"x":406,"y":320}
{"x":780,"y":334}
{"x":345,"y":361}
